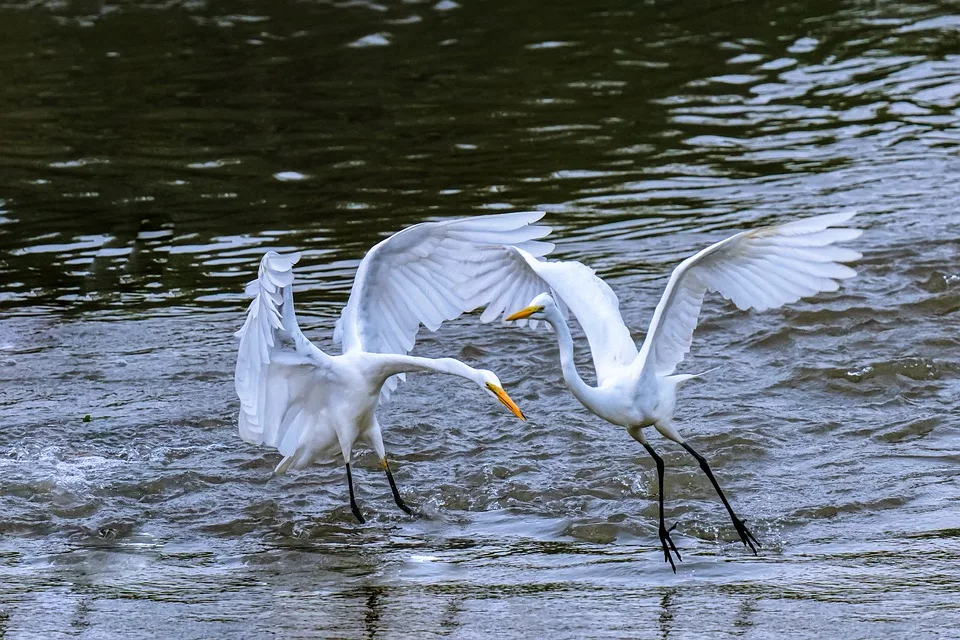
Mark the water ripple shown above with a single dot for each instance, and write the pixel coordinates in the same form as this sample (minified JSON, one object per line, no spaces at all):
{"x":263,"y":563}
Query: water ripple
{"x":153,"y":151}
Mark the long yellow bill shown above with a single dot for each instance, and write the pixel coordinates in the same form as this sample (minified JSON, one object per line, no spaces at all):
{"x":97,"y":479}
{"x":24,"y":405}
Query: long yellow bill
{"x":524,"y":313}
{"x":505,"y":399}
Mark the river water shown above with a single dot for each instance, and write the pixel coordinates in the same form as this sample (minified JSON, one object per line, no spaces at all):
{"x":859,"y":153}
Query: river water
{"x":151,"y":152}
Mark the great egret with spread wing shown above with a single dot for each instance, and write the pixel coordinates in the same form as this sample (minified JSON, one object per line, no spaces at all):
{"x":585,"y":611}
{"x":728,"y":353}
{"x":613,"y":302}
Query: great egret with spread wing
{"x":311,"y":405}
{"x":760,"y":269}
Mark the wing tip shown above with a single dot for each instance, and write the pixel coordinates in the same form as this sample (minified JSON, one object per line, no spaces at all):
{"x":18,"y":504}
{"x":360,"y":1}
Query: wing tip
{"x":853,"y":257}
{"x":832,"y":219}
{"x":846,"y":216}
{"x":530,"y":216}
{"x":287,"y":260}
{"x":810,"y":225}
{"x":854,"y":234}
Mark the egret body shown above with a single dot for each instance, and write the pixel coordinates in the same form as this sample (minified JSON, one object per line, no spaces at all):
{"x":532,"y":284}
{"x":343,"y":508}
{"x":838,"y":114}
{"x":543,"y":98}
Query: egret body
{"x":759,"y":269}
{"x":314,"y":406}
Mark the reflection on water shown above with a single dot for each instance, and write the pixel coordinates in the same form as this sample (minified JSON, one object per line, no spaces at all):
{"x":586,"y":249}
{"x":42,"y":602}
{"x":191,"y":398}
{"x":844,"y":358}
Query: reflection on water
{"x":151,"y":153}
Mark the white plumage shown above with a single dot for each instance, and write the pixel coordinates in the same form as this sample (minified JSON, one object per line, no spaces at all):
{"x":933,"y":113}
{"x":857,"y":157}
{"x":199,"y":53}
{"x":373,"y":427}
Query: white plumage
{"x":592,"y":302}
{"x":759,"y":269}
{"x":429,"y":273}
{"x":311,"y":405}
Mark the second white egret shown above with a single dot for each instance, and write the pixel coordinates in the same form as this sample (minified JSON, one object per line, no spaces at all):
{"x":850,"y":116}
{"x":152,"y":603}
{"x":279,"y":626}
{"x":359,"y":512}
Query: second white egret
{"x":760,"y":269}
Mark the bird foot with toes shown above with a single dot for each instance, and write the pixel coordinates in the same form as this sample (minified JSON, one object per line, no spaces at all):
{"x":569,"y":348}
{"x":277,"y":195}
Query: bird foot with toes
{"x":667,"y":542}
{"x":748,"y":539}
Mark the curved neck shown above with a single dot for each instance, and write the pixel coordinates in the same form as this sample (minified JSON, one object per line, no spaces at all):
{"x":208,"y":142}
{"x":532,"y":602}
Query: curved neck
{"x":583,"y":392}
{"x":389,"y":364}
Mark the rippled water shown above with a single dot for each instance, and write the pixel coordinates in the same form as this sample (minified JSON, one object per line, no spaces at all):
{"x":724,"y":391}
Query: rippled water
{"x":151,"y":152}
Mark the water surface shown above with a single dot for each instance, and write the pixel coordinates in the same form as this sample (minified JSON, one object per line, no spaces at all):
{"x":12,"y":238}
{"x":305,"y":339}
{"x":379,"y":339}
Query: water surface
{"x":152,"y":151}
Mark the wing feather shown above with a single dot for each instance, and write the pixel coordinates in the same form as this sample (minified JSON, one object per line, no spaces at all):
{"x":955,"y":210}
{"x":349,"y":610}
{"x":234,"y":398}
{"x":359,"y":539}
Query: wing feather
{"x":429,"y":283}
{"x":280,"y":376}
{"x":430,"y":273}
{"x":760,"y":269}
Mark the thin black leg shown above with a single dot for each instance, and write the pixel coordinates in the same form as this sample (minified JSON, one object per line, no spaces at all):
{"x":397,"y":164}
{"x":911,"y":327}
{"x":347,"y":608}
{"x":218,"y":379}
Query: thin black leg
{"x":353,"y":499}
{"x":393,"y":487}
{"x":748,"y":539}
{"x":664,"y":532}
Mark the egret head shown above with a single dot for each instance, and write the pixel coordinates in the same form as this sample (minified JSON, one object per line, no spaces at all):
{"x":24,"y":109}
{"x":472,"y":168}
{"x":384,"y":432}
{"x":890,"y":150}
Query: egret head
{"x":491,"y":384}
{"x":539,"y":308}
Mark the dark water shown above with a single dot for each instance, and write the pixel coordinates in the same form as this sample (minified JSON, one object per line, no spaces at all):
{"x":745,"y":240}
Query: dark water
{"x":149,"y":153}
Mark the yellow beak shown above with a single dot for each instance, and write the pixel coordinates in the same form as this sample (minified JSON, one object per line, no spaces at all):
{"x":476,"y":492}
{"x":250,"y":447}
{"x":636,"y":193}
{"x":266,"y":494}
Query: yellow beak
{"x":524,"y":313}
{"x":505,"y":399}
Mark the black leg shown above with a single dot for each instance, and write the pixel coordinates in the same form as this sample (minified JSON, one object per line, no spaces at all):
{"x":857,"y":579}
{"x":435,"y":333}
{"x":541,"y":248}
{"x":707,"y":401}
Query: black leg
{"x":393,"y":487}
{"x":745,"y":535}
{"x":664,"y":532}
{"x":353,"y":499}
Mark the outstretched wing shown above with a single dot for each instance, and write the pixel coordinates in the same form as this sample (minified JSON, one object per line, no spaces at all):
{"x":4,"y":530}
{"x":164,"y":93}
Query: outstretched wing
{"x":760,"y":269}
{"x":281,"y":377}
{"x":576,"y":286}
{"x":427,"y":274}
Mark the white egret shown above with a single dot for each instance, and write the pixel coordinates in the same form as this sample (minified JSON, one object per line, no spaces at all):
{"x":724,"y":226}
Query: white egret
{"x":760,"y":269}
{"x":311,"y":405}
